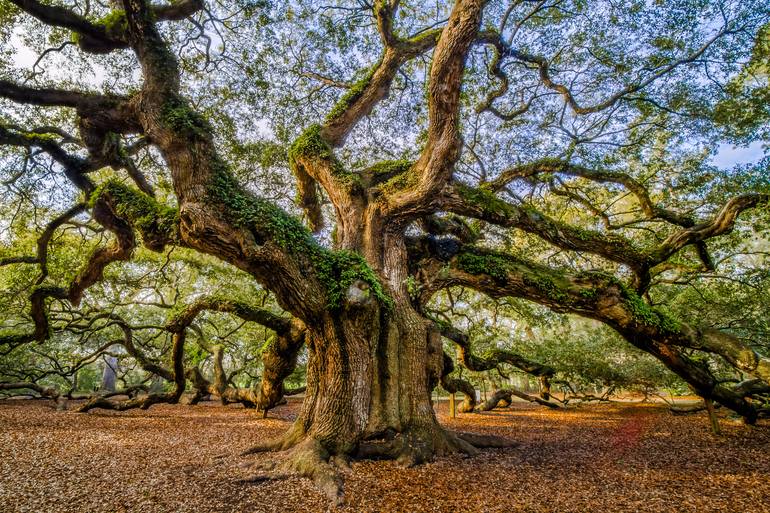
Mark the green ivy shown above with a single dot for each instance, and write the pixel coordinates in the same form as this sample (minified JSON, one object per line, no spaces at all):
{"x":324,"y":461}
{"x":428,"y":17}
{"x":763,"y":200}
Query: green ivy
{"x":337,"y":270}
{"x":351,"y":95}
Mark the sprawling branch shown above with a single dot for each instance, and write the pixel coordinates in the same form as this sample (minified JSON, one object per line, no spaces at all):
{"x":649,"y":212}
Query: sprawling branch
{"x":504,"y":394}
{"x":279,"y":356}
{"x":481,"y":203}
{"x":109,"y":34}
{"x":312,"y":158}
{"x":50,"y":97}
{"x":544,"y":166}
{"x":217,"y":215}
{"x":494,"y":358}
{"x":144,"y":402}
{"x":442,"y":149}
{"x":601,"y":297}
{"x":454,"y":385}
{"x":75,"y":168}
{"x":51,"y":393}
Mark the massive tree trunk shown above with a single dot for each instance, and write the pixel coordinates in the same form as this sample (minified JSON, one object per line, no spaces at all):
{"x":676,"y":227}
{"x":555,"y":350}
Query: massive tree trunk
{"x":370,"y":373}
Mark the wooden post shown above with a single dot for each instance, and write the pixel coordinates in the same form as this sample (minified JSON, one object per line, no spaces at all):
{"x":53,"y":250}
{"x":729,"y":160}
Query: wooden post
{"x":712,"y":417}
{"x":452,"y":412}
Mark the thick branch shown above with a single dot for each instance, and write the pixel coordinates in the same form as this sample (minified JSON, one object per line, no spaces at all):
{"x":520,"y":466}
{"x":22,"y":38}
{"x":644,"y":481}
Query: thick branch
{"x":504,"y":394}
{"x":49,"y":97}
{"x":596,"y":296}
{"x":494,"y":358}
{"x":442,"y":149}
{"x":454,"y":385}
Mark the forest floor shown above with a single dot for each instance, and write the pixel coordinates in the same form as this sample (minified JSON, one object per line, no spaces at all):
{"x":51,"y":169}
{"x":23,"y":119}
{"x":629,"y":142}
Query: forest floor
{"x":619,"y":457}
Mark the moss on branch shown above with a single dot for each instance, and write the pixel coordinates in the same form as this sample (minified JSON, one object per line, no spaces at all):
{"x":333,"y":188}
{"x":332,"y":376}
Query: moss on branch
{"x":644,"y":313}
{"x":352,"y":95}
{"x":311,"y":146}
{"x":156,"y":222}
{"x":390,"y":167}
{"x":178,"y":116}
{"x":336,"y":270}
{"x":114,"y":23}
{"x":486,"y":200}
{"x":500,"y":268}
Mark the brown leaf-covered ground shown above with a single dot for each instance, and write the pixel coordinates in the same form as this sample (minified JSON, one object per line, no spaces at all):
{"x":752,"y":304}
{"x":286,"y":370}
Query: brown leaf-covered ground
{"x":601,"y":458}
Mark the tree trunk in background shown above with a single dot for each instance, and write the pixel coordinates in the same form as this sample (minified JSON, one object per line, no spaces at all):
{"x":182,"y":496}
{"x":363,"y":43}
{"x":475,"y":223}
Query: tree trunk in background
{"x":109,"y":374}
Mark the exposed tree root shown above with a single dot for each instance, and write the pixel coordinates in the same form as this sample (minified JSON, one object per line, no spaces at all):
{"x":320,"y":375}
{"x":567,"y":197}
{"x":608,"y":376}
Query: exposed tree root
{"x":286,"y":441}
{"x":307,"y":457}
{"x":310,"y":459}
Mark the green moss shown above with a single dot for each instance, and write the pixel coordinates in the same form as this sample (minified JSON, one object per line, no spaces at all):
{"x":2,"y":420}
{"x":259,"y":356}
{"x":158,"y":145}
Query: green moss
{"x":352,"y":94}
{"x":432,"y":35}
{"x":400,"y":182}
{"x":486,"y":200}
{"x":114,"y":23}
{"x":646,"y":314}
{"x":589,"y":293}
{"x":39,"y":138}
{"x":336,"y":270}
{"x":499,"y":267}
{"x":392,"y":175}
{"x":180,"y":117}
{"x":478,"y":263}
{"x":268,"y":342}
{"x":642,"y":312}
{"x":153,"y":219}
{"x":413,"y":287}
{"x":388,"y":167}
{"x":547,"y":286}
{"x":311,"y":145}
{"x":247,"y":210}
{"x":15,"y":338}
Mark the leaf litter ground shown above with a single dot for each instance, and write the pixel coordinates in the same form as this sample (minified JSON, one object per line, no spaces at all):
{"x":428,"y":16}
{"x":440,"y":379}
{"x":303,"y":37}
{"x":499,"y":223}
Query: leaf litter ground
{"x":619,"y":457}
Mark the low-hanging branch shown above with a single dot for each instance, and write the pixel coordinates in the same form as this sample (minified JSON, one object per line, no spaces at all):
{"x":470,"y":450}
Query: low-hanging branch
{"x":279,"y":356}
{"x":144,"y":402}
{"x":602,"y":297}
{"x":505,"y":394}
{"x":495,"y":357}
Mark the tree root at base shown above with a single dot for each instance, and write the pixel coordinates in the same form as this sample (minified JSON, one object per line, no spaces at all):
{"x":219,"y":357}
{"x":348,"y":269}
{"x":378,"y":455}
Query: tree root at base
{"x":307,"y":457}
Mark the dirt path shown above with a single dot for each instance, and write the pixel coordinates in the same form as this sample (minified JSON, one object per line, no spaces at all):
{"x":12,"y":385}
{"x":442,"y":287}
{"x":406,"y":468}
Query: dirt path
{"x":612,"y":458}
